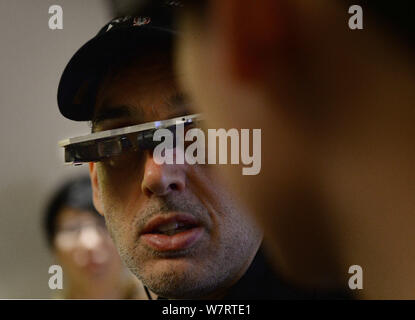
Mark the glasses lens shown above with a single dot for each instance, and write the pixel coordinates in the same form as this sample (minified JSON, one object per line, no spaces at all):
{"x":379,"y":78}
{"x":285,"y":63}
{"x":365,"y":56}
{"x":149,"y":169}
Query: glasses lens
{"x":124,"y":152}
{"x":108,"y":148}
{"x":127,"y":160}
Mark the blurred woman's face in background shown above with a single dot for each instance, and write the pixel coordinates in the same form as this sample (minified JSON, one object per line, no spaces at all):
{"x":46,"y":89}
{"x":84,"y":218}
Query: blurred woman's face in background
{"x":85,"y":250}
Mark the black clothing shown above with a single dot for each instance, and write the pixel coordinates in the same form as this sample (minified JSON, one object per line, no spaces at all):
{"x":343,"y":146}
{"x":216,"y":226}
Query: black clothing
{"x":261,"y":282}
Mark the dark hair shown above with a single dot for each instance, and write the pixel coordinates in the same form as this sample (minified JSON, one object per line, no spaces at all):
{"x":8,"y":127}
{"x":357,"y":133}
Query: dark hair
{"x":76,"y":194}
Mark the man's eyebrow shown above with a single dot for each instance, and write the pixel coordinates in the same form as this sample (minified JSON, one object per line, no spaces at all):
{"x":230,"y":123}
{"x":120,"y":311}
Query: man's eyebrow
{"x":178,"y":101}
{"x":108,"y":112}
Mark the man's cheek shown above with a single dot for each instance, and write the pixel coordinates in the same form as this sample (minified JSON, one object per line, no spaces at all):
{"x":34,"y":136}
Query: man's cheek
{"x":111,"y":185}
{"x":121,"y":181}
{"x":120,"y":202}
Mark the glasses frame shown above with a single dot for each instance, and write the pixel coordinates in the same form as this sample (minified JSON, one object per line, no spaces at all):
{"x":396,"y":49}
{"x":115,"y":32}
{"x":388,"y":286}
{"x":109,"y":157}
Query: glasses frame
{"x":73,"y":147}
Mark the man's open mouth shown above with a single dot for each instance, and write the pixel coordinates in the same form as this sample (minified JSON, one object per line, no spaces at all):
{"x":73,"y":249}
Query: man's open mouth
{"x":173,"y":228}
{"x":176,"y":232}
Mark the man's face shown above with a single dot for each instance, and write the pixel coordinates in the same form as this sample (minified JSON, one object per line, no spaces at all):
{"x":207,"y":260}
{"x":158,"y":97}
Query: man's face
{"x":175,"y":226}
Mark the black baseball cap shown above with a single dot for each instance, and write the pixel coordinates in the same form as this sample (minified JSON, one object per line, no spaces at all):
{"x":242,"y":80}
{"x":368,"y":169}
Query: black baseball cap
{"x":80,"y":79}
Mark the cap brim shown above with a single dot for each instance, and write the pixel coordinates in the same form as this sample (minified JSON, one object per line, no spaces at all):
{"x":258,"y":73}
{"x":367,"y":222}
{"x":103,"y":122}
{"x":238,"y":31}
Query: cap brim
{"x":77,"y":85}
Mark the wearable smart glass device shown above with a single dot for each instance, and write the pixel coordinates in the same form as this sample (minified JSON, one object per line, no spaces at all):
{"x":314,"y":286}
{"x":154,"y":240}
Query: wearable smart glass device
{"x":106,"y":144}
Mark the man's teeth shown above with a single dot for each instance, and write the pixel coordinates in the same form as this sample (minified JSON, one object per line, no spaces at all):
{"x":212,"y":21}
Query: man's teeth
{"x":171,"y":228}
{"x":168,"y":226}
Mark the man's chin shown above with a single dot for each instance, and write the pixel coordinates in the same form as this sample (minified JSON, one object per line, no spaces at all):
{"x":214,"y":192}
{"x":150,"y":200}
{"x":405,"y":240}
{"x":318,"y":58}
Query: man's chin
{"x":173,"y":278}
{"x":180,"y":266}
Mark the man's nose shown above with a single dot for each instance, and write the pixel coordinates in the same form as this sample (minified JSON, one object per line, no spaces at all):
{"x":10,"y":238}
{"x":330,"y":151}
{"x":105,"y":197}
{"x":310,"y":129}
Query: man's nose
{"x":161,"y":179}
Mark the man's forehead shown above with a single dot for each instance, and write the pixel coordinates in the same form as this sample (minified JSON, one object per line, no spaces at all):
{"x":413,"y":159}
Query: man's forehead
{"x":112,"y":113}
{"x":140,"y":91}
{"x":136,"y":66}
{"x":138,"y":79}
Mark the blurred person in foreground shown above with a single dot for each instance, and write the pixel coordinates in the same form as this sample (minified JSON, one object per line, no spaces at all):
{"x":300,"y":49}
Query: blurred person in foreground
{"x":336,"y":109}
{"x":177,"y":227}
{"x":82,"y":246}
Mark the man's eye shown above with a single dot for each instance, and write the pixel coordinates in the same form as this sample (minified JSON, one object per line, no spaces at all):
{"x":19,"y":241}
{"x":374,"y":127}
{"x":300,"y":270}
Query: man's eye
{"x":109,"y":147}
{"x":125,"y":160}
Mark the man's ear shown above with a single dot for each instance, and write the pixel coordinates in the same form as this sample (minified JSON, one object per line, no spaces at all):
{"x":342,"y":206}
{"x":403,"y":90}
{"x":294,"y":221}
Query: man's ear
{"x":95,"y":188}
{"x":251,"y":33}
